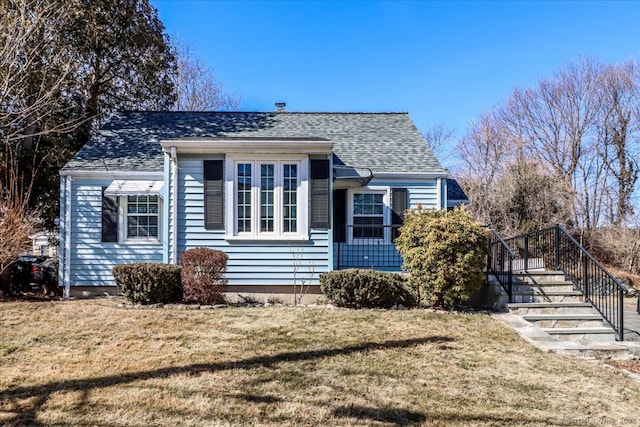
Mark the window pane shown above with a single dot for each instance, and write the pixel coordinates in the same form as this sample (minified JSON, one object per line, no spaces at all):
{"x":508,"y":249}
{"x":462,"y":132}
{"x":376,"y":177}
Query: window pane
{"x":267,"y":185}
{"x":244,"y":197}
{"x":368,"y":228}
{"x":289,"y":198}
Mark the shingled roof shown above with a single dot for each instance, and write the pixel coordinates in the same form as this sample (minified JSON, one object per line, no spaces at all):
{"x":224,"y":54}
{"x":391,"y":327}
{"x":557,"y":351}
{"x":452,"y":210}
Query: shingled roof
{"x":384,"y":142}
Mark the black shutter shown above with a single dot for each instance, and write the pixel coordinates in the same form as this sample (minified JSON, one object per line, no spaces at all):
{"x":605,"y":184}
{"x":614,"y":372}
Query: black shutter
{"x":109,"y":218}
{"x":339,"y":215}
{"x":213,"y":195}
{"x":399,"y":203}
{"x":319,"y":193}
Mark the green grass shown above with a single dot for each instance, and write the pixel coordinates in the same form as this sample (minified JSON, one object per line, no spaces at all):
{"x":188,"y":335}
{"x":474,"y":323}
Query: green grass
{"x":92,"y":363}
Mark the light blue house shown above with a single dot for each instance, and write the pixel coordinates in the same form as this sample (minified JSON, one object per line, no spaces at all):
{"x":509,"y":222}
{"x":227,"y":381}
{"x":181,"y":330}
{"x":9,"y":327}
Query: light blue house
{"x":286,"y":195}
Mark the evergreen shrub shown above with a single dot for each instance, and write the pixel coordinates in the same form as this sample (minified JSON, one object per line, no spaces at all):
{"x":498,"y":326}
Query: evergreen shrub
{"x":148,"y":283}
{"x":356,"y":288}
{"x":444,"y":253}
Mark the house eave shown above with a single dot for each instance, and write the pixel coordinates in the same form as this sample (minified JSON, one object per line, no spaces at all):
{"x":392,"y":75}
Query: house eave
{"x":411,"y":175}
{"x":251,"y":145}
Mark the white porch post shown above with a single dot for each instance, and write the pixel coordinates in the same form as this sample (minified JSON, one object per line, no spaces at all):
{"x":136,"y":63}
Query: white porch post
{"x":67,"y":238}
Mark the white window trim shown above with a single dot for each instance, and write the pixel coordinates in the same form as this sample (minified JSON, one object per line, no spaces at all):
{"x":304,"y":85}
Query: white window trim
{"x":231,"y":197}
{"x":386,"y":199}
{"x":122,"y":224}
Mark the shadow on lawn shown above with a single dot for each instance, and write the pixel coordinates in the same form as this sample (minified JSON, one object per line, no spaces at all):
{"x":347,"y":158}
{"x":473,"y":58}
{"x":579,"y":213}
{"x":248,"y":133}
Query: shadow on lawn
{"x":386,"y":415}
{"x":26,"y":401}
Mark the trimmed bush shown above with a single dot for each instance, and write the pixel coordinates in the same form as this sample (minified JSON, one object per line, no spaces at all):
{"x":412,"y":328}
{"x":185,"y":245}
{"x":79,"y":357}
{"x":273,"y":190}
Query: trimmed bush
{"x":444,"y":252}
{"x":357,"y":288}
{"x":148,"y":283}
{"x":203,"y":271}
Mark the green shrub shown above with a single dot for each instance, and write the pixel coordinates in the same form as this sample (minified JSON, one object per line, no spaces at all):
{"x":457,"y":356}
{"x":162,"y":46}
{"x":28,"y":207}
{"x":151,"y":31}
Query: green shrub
{"x":365,"y":288}
{"x":444,"y":252}
{"x":148,"y":283}
{"x":203,"y":271}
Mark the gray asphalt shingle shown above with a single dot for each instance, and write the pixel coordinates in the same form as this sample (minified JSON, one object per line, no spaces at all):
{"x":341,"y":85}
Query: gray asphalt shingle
{"x":384,"y":142}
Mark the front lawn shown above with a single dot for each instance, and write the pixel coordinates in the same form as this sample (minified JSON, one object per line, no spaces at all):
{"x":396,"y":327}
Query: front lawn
{"x":91,"y":363}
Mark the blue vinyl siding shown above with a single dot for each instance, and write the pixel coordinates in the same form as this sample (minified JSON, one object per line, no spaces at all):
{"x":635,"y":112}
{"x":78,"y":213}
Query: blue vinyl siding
{"x":251,"y":262}
{"x":91,"y":260}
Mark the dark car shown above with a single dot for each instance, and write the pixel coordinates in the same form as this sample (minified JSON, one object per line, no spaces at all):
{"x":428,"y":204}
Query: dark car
{"x":22,"y":274}
{"x":34,"y":273}
{"x":44,"y":273}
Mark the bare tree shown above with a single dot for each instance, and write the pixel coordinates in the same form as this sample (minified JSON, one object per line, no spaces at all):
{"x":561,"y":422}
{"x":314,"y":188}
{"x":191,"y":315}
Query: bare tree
{"x":439,"y":138}
{"x":617,"y":136}
{"x":513,"y":192}
{"x":485,"y":152}
{"x":197,"y":87}
{"x":554,"y":120}
{"x":31,"y":88}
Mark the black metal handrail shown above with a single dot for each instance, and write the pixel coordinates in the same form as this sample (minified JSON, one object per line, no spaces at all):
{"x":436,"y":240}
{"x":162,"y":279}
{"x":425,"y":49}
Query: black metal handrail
{"x":369,"y":246}
{"x":500,"y":261}
{"x":554,"y":247}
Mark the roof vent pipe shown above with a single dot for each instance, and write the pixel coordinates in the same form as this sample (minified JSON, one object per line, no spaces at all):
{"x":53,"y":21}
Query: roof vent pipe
{"x":280,"y":107}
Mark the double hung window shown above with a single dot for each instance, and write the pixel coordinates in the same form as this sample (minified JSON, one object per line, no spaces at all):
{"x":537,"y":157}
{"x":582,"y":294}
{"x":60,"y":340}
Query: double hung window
{"x":142,"y":217}
{"x":369,"y":216}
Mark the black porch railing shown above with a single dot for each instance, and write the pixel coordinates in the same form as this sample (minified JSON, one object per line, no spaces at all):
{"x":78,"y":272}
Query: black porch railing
{"x":367,"y":246}
{"x":500,"y":261}
{"x":555,"y":248}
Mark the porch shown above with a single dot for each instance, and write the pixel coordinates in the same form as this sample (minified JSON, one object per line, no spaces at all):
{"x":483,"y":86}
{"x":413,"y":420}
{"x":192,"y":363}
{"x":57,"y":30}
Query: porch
{"x":367,"y":246}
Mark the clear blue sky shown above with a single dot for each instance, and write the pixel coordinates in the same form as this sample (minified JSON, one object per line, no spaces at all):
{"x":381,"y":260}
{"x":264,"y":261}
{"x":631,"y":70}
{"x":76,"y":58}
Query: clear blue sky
{"x":443,"y":62}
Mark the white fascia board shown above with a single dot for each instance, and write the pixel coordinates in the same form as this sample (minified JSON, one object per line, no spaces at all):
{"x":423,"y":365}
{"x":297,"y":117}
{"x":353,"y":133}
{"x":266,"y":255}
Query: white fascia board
{"x":156,"y":176}
{"x":221,"y":146}
{"x":410,"y":175}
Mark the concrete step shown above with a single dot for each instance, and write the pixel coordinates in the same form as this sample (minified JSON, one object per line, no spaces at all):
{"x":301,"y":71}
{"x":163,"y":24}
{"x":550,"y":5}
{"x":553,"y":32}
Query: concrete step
{"x":552,"y":284}
{"x":543,"y":295}
{"x":564,"y":320}
{"x":590,"y":334}
{"x":522,"y":309}
{"x":540,"y":274}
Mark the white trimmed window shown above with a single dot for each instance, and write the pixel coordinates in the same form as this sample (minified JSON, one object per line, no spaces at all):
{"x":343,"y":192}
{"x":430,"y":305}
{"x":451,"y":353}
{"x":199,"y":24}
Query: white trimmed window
{"x":131,"y":212}
{"x":369,"y":215}
{"x":269,"y":197}
{"x":142,"y":218}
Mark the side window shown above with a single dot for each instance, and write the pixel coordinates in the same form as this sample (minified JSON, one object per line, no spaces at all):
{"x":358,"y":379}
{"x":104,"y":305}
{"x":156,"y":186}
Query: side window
{"x":141,"y":217}
{"x":368,"y":216}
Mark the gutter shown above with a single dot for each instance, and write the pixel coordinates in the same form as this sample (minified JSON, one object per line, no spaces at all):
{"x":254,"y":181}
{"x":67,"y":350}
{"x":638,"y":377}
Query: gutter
{"x":174,"y":209}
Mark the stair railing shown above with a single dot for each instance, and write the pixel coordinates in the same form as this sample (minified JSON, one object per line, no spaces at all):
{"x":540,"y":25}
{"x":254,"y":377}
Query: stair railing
{"x":500,"y":261}
{"x":555,"y":248}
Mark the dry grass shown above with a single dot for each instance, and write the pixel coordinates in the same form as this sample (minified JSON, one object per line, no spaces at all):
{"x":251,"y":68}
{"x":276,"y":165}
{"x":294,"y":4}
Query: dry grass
{"x":91,"y":363}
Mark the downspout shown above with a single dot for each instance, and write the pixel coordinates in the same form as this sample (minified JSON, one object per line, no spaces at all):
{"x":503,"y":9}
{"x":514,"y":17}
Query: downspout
{"x":174,"y":209}
{"x":67,"y":238}
{"x":439,"y":193}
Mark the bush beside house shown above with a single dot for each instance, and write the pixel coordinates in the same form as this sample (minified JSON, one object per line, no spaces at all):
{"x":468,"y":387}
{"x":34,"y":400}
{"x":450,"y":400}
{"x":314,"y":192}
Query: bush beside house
{"x":203,"y":275}
{"x":444,"y":252}
{"x":356,"y":288}
{"x":149,"y":283}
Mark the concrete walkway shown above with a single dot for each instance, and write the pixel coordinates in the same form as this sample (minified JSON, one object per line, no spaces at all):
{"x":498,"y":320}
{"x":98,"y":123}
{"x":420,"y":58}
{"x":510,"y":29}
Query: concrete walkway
{"x":631,"y":325}
{"x":627,"y":349}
